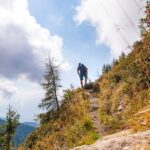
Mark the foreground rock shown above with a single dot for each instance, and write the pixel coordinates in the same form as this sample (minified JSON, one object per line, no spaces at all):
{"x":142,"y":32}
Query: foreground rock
{"x":121,"y":141}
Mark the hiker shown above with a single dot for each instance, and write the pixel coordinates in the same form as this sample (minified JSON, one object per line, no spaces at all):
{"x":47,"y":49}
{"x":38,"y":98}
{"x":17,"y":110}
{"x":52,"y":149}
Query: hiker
{"x":82,"y":71}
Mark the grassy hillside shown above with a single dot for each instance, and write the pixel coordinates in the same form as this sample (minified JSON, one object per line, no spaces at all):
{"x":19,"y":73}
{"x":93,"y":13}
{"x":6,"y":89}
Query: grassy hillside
{"x":72,"y":126}
{"x":124,"y":91}
{"x":124,"y":103}
{"x":126,"y":87}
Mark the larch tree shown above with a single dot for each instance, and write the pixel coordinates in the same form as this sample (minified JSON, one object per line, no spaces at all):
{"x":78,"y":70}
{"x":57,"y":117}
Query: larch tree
{"x":51,"y":85}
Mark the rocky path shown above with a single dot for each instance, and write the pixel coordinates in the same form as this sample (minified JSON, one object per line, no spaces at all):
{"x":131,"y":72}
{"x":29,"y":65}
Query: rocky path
{"x":94,"y":113}
{"x":124,"y":140}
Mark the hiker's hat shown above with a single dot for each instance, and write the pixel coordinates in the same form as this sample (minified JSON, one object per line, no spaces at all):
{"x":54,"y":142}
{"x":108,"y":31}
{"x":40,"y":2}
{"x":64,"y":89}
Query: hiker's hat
{"x":80,"y":64}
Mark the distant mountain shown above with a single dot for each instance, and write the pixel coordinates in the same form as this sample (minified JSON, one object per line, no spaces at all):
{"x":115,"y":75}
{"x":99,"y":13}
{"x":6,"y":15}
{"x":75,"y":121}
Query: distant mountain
{"x":2,"y":118}
{"x":2,"y":121}
{"x":22,"y":131}
{"x":32,"y":124}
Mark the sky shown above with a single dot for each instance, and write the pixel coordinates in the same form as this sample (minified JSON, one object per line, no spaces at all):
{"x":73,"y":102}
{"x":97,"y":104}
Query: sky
{"x":93,"y":32}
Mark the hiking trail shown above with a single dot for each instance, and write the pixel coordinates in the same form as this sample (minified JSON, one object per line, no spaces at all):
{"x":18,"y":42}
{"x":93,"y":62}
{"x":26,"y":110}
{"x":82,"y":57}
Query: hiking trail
{"x":123,"y":140}
{"x":94,"y":112}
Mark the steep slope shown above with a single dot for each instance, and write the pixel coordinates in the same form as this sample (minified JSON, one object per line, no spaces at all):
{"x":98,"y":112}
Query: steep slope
{"x":124,"y":102}
{"x":126,"y":139}
{"x":85,"y":116}
{"x":70,"y":127}
{"x":126,"y":88}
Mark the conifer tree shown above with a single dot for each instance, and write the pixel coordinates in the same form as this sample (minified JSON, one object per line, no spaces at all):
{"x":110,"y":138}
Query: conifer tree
{"x":2,"y":135}
{"x":8,"y":129}
{"x":106,"y":68}
{"x":147,"y":18}
{"x":122,"y":56}
{"x":51,"y":86}
{"x":115,"y":62}
{"x":145,"y":22}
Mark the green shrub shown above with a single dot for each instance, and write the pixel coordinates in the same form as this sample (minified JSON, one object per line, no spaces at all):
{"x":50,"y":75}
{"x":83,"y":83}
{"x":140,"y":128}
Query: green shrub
{"x":88,"y":125}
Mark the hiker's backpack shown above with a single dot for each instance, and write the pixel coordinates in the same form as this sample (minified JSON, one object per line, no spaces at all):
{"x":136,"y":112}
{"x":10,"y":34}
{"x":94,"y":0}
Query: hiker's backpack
{"x":83,"y":68}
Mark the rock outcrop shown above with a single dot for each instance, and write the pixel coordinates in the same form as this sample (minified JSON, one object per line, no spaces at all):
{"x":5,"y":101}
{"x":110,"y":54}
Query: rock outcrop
{"x":124,"y":140}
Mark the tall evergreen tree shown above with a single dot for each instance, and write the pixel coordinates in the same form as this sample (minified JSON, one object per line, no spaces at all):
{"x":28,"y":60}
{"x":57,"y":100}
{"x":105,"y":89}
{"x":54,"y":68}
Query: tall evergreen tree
{"x":122,"y":56}
{"x":145,"y":22}
{"x":106,"y":68}
{"x":147,"y":18}
{"x":2,"y":135}
{"x":115,"y":62}
{"x":8,"y":129}
{"x":51,"y":86}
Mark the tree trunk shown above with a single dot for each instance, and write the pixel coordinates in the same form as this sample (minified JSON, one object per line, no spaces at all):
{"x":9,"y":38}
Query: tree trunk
{"x":54,"y":84}
{"x":8,"y":142}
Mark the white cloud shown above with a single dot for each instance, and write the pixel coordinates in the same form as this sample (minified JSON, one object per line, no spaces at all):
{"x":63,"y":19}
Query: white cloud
{"x":24,"y":43}
{"x":116,"y":21}
{"x":65,"y":66}
{"x":24,"y":47}
{"x":23,"y":94}
{"x":7,"y":86}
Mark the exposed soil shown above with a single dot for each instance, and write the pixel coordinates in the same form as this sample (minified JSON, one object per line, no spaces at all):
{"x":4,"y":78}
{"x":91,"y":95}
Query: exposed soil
{"x":94,"y":112}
